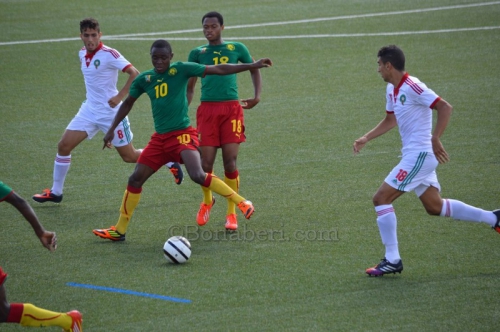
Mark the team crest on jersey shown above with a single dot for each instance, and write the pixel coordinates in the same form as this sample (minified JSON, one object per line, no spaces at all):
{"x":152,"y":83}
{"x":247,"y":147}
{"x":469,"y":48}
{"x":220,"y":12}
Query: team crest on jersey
{"x":172,"y":71}
{"x":148,"y":78}
{"x":203,"y":50}
{"x":230,"y":47}
{"x":97,"y":63}
{"x":402,"y":99}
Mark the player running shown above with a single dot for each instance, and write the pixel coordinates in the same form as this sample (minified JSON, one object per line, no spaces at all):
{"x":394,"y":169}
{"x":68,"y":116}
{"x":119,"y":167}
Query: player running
{"x":174,"y":139}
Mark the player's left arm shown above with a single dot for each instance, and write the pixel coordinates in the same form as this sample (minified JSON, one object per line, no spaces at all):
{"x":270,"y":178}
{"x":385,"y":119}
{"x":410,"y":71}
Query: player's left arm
{"x":444,"y":110}
{"x":228,"y":69}
{"x":257,"y":87}
{"x":132,"y":72}
{"x":48,"y":239}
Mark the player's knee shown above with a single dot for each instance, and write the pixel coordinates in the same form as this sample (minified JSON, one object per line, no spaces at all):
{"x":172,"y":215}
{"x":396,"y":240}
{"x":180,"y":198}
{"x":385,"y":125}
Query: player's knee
{"x":230,"y":166}
{"x":433,"y":210}
{"x":377,"y":200}
{"x":63,"y":149}
{"x":197,"y":177}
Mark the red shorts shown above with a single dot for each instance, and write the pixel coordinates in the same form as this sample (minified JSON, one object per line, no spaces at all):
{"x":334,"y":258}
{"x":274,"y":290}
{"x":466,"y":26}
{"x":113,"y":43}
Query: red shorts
{"x":3,"y":275}
{"x":220,"y":123}
{"x":164,"y":148}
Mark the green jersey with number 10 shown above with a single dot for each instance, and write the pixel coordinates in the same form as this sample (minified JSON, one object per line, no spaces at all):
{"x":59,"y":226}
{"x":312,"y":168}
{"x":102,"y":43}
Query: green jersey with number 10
{"x":167,"y":93}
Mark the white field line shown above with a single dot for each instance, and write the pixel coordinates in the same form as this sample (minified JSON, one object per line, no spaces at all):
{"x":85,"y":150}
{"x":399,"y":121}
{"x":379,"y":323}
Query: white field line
{"x":322,"y":19}
{"x":339,"y":35}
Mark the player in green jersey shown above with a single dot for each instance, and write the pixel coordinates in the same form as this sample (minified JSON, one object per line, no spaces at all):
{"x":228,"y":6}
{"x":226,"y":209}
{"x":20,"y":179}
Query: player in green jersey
{"x":174,"y":139}
{"x":220,"y":121}
{"x":26,"y":314}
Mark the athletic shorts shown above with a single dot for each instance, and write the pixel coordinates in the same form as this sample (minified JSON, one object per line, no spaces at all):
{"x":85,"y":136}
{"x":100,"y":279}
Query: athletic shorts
{"x":164,"y":148}
{"x":220,"y":123}
{"x":92,"y":120}
{"x":415,"y":172}
{"x":3,"y":275}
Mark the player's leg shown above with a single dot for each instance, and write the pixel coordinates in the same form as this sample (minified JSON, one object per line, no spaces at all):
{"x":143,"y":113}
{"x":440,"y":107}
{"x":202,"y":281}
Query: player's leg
{"x":232,"y":133}
{"x":192,"y":161}
{"x":435,"y":205}
{"x":130,"y":200}
{"x":207,"y":121}
{"x":208,"y":154}
{"x":27,"y":314}
{"x":150,"y":160}
{"x":232,"y":179}
{"x":69,"y":140}
{"x":387,"y":225}
{"x":83,"y":125}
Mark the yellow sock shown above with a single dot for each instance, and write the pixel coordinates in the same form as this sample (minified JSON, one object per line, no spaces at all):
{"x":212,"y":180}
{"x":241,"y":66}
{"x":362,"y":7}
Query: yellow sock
{"x":129,"y":203}
{"x":37,"y":317}
{"x":235,"y":185}
{"x":218,"y":186}
{"x":207,"y":195}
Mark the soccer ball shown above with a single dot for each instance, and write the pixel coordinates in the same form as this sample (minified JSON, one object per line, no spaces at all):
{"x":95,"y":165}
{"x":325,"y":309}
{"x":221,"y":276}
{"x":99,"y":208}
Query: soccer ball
{"x":177,"y":250}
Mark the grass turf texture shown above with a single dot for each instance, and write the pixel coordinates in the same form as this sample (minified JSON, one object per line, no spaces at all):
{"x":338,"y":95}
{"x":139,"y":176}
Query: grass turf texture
{"x":297,"y":167}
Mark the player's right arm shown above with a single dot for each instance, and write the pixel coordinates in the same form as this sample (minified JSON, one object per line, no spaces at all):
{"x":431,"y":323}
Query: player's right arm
{"x":384,"y":126}
{"x":124,"y":110}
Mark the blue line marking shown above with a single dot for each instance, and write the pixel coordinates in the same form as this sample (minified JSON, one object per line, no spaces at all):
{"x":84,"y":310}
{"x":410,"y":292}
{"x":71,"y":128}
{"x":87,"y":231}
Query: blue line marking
{"x":128,"y":292}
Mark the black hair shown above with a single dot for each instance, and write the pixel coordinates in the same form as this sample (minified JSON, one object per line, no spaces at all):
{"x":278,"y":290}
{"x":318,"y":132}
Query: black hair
{"x":89,"y":23}
{"x":161,"y":43}
{"x":213,"y":14}
{"x":394,"y":55}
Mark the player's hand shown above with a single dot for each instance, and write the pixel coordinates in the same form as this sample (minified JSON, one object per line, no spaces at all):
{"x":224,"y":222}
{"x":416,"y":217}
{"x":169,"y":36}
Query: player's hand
{"x":359,"y":144}
{"x":114,"y":101}
{"x":49,"y":240}
{"x":265,"y":62}
{"x":108,"y":138}
{"x":439,"y":151}
{"x":249,"y":103}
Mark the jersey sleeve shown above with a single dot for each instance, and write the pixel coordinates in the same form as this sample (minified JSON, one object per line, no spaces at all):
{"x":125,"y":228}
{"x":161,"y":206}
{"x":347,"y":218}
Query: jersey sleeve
{"x":136,"y":88}
{"x":193,"y":69}
{"x":193,"y":56}
{"x":245,"y":56}
{"x":5,"y":190}
{"x":118,"y":61}
{"x":427,"y":97}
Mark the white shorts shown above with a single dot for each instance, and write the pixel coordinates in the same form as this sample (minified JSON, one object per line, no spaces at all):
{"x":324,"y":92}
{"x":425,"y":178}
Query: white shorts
{"x":90,"y":120}
{"x":415,"y":172}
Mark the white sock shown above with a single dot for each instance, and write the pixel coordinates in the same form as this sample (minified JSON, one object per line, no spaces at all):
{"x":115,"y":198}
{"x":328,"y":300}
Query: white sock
{"x":387,"y":225}
{"x":61,"y":167}
{"x":169,"y":164}
{"x":461,"y":211}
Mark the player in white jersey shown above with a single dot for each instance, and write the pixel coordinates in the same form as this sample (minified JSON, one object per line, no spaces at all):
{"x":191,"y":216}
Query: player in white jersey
{"x":100,"y":66}
{"x":409,"y":106}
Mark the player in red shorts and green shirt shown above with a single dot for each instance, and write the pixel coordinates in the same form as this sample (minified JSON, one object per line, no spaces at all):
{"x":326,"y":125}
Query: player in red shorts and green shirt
{"x":26,"y":314}
{"x":219,"y":117}
{"x":174,"y":139}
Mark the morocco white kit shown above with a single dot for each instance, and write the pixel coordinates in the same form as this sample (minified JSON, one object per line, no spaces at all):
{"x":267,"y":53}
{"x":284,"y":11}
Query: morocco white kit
{"x":412,"y":103}
{"x":100,"y":72}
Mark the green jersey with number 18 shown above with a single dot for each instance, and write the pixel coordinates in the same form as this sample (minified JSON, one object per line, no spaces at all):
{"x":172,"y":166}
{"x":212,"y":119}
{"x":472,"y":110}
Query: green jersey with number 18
{"x":214,"y":87}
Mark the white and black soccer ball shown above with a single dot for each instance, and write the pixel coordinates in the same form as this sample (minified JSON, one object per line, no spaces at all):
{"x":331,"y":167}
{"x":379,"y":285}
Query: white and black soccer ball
{"x":177,"y":250}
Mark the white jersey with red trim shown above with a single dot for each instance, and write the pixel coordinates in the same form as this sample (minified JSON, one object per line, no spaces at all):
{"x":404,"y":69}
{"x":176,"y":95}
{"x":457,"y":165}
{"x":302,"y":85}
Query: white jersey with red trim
{"x":412,"y":103}
{"x":100,"y":72}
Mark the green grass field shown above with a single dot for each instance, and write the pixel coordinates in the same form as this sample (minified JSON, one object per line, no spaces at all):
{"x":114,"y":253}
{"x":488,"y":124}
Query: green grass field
{"x":298,"y":264}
